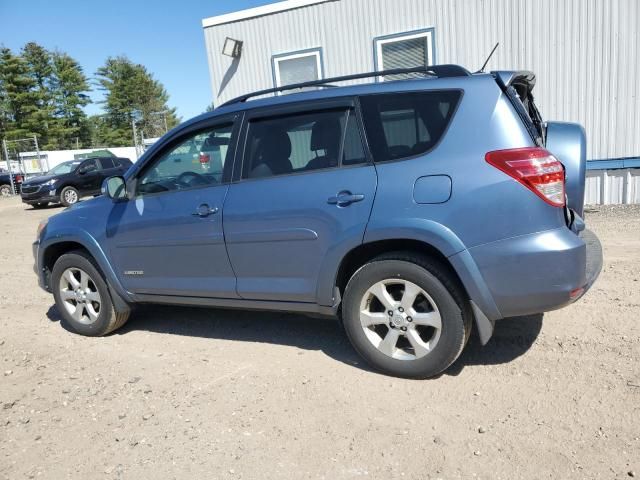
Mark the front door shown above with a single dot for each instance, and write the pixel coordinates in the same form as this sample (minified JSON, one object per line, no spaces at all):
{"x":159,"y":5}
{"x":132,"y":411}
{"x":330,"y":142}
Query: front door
{"x":168,"y":239}
{"x":89,"y":177}
{"x":304,"y":195}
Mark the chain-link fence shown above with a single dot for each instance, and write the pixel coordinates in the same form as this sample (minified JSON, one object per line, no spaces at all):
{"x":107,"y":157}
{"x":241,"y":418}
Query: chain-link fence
{"x":20,"y":159}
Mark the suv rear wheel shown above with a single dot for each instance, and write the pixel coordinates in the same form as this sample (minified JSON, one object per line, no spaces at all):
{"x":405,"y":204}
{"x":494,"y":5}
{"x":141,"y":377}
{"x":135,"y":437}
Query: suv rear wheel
{"x":406,"y":316}
{"x":69,"y":196}
{"x":5,"y":190}
{"x":82,"y":296}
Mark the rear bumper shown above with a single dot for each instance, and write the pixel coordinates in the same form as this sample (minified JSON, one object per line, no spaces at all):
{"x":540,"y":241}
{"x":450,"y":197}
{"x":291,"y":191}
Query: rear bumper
{"x":539,"y":272}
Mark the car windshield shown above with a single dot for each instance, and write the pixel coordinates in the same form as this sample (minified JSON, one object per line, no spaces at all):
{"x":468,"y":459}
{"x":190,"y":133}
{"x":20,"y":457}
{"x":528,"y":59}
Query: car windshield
{"x":63,"y":168}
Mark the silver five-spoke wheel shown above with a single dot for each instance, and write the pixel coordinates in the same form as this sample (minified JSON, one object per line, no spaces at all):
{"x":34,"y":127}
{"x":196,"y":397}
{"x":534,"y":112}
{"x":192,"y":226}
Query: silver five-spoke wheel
{"x":80,"y":295}
{"x":400,"y":319}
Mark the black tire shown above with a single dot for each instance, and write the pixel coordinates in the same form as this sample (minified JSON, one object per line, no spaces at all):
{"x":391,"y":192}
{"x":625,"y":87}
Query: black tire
{"x":108,"y":319}
{"x":39,"y":205}
{"x":439,"y":284}
{"x":64,"y":193}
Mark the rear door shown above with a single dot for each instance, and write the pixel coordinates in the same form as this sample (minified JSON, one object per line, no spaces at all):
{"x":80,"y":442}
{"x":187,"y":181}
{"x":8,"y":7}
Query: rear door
{"x":108,"y":168}
{"x":88,"y":177}
{"x":301,"y":200}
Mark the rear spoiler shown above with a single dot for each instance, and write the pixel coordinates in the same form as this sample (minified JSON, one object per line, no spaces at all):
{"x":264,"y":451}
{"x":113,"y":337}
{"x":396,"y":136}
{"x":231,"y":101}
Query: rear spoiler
{"x":507,"y":78}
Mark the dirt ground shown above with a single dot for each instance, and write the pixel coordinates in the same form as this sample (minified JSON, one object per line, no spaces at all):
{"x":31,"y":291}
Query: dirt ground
{"x":194,"y":393}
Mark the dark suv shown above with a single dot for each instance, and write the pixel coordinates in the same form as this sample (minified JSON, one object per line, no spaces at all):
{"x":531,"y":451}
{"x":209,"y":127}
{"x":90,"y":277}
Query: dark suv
{"x":414,"y":210}
{"x":68,"y":182}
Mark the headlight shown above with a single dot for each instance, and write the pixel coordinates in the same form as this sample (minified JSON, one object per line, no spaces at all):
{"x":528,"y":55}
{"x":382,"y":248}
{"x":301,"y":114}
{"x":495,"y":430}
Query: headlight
{"x":51,"y":182}
{"x":41,"y":227}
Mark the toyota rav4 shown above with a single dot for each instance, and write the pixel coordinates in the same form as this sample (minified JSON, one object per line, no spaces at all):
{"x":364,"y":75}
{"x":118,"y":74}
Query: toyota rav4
{"x":414,"y":210}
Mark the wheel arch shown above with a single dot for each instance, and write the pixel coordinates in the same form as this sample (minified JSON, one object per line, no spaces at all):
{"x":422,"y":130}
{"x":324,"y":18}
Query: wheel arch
{"x":460,"y":265}
{"x":365,"y":252}
{"x":62,"y":242}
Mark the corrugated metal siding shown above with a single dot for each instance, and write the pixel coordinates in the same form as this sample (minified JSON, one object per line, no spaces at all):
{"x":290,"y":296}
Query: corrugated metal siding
{"x":585,"y":52}
{"x":610,"y":187}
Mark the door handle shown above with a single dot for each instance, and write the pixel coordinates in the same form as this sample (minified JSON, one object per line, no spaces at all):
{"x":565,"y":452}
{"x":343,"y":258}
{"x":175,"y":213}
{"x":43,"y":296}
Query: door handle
{"x":345,"y":198}
{"x":204,"y":210}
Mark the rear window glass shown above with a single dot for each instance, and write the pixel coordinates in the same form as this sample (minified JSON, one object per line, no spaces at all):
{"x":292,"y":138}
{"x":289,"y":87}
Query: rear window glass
{"x":402,"y":125}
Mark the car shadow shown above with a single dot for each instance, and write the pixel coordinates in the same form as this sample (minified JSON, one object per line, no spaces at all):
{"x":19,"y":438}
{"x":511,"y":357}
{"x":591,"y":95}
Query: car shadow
{"x":51,"y":206}
{"x":512,"y":337}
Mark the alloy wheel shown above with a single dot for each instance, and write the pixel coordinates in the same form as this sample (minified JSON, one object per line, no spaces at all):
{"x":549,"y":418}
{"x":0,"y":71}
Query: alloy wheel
{"x":70,"y":196}
{"x":79,"y":295}
{"x":400,"y":319}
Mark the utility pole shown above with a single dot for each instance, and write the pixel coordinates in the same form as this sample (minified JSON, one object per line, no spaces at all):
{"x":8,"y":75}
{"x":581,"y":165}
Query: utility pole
{"x":6,"y":157}
{"x":35,"y":141}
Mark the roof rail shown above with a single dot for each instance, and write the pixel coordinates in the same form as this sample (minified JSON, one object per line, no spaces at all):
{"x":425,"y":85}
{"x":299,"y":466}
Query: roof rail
{"x":440,"y":71}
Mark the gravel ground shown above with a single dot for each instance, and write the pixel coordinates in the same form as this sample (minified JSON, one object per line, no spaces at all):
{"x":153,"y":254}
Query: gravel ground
{"x":195,"y":393}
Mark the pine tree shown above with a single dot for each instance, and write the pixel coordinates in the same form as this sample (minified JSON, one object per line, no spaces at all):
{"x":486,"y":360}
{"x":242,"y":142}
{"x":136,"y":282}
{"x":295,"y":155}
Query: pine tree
{"x":132,"y":95}
{"x":69,"y":86}
{"x":19,"y":102}
{"x":40,"y":70}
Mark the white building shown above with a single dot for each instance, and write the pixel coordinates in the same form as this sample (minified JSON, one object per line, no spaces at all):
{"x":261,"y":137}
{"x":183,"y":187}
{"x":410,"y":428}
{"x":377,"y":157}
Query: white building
{"x":585,"y":53}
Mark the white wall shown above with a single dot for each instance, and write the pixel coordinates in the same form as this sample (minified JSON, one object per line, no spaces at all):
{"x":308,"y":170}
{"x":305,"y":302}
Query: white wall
{"x":51,"y":158}
{"x":608,"y":187}
{"x":584,"y":52}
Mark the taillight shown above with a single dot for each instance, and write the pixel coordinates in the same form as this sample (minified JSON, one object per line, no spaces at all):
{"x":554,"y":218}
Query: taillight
{"x":18,"y":178}
{"x":204,"y":158}
{"x":535,"y":168}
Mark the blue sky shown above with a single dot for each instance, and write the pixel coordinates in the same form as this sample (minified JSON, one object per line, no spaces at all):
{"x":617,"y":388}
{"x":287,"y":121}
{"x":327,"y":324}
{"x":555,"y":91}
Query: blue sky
{"x":165,"y":36}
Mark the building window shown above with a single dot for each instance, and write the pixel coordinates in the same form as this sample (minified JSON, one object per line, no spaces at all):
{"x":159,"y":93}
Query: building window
{"x":405,"y":50}
{"x":297,"y":67}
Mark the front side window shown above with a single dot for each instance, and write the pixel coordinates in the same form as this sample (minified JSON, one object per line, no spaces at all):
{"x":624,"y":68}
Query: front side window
{"x":302,"y":142}
{"x":404,"y":51}
{"x":403,"y":125}
{"x":297,"y":67}
{"x":88,"y":166}
{"x":197,"y":160}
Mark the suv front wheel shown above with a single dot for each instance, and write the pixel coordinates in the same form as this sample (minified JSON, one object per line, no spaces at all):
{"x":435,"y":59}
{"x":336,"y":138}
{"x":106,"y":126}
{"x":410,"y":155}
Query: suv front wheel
{"x":82,"y":296}
{"x":406,"y":315}
{"x":69,"y":196}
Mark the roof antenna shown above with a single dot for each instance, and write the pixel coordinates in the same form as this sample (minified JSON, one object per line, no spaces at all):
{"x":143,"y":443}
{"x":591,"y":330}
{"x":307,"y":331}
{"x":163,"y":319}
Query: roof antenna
{"x":488,"y":58}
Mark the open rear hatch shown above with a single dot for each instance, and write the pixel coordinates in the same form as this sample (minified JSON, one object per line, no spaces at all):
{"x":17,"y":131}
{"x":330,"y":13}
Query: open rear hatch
{"x":566,"y":141}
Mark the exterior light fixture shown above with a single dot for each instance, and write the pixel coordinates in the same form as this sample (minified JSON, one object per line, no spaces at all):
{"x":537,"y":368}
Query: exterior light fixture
{"x":232,"y":48}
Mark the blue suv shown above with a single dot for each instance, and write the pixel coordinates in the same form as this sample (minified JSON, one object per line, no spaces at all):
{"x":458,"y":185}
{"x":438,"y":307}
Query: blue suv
{"x":411,"y":209}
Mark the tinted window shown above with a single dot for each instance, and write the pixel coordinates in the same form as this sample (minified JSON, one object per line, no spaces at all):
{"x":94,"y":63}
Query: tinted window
{"x":89,"y":166}
{"x":353,"y":150}
{"x":402,"y":125}
{"x":106,"y":163}
{"x":301,"y":142}
{"x":197,"y":160}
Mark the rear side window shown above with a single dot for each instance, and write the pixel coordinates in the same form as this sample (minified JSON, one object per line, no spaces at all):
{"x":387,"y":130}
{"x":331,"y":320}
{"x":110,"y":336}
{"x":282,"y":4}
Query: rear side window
{"x":402,"y":125}
{"x":106,"y":163}
{"x":302,"y":142}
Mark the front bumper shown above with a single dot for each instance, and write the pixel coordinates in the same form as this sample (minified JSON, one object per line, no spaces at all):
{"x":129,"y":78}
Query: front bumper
{"x":37,"y":267}
{"x":43,"y":194}
{"x":539,"y":272}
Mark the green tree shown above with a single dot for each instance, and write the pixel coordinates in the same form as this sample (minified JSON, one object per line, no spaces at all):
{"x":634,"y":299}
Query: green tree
{"x":69,"y":86}
{"x":40,"y":69}
{"x":19,"y":99}
{"x":131,"y":95}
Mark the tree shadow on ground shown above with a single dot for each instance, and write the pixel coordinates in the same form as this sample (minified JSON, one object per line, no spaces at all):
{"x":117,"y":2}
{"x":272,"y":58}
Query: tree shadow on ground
{"x":512,"y":337}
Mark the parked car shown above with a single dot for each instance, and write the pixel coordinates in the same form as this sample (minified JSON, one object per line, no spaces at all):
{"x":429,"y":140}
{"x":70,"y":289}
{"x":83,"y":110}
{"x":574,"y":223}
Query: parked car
{"x":68,"y":182}
{"x":413,"y":210}
{"x":5,"y":182}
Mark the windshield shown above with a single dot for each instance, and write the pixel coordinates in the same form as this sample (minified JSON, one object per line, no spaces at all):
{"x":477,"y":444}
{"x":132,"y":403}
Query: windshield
{"x":63,"y":168}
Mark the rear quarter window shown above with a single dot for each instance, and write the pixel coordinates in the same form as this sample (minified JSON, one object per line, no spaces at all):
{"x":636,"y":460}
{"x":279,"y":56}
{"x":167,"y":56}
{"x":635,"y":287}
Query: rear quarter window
{"x":402,"y":125}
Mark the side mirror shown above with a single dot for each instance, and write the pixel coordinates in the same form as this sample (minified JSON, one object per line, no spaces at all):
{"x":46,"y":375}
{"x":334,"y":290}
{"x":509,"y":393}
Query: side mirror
{"x":115,"y":188}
